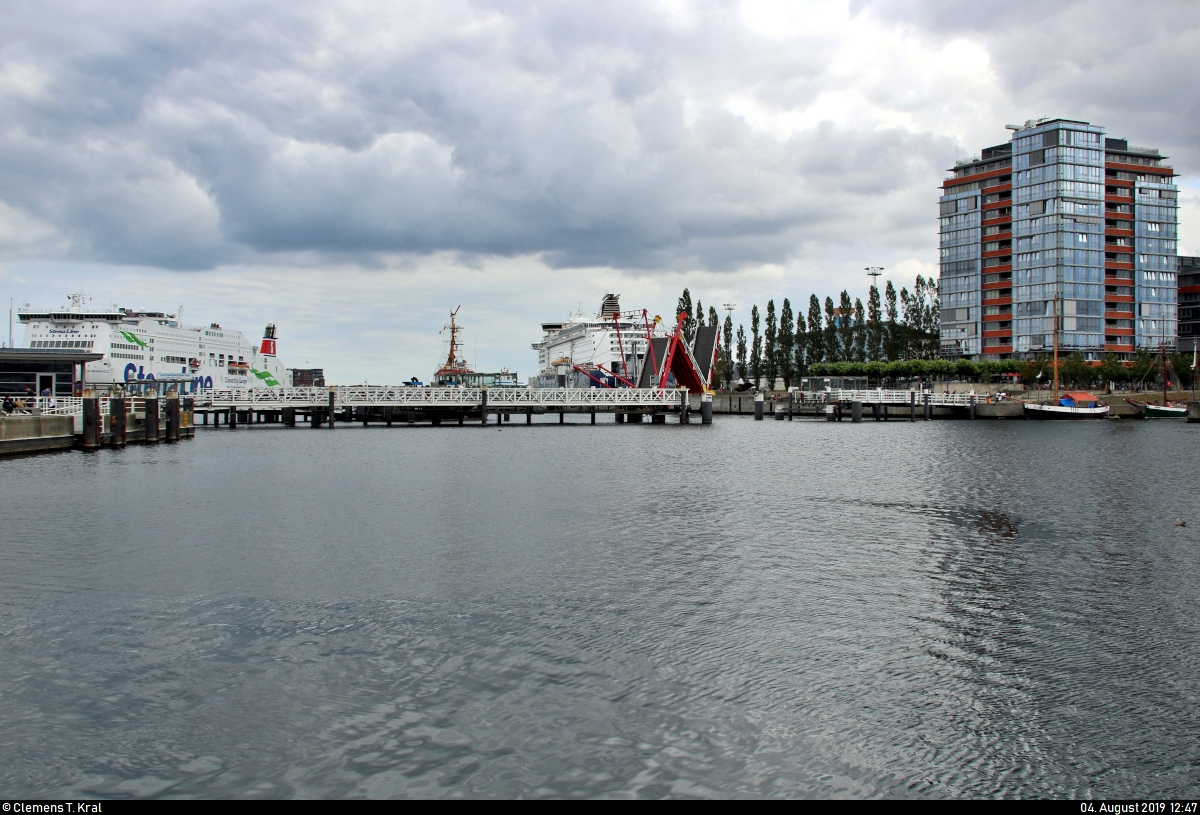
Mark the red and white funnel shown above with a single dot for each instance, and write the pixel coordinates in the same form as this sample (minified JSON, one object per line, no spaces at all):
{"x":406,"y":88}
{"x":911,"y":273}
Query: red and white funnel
{"x":268,"y":343}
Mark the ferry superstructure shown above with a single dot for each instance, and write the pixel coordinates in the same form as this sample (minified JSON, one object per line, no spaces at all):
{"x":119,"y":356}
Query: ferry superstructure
{"x":588,"y":342}
{"x":154,"y":345}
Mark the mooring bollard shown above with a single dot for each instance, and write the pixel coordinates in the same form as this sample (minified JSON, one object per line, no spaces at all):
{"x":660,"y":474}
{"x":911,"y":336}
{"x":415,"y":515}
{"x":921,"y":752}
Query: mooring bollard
{"x":831,"y":413}
{"x":856,"y":411}
{"x":928,"y":408}
{"x":706,"y":408}
{"x":758,"y":407}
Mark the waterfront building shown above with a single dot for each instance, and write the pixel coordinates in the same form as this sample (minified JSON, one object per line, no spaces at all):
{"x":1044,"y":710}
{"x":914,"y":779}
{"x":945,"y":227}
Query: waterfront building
{"x":1189,"y":303}
{"x":1058,"y":220}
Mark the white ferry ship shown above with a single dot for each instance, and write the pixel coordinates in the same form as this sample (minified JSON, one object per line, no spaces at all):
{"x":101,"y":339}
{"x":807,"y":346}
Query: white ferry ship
{"x":609,"y":345}
{"x":154,"y":345}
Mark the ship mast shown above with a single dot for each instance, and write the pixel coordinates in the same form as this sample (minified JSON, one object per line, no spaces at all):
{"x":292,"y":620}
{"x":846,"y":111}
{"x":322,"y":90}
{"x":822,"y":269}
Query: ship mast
{"x":1056,"y":348}
{"x":450,"y":359}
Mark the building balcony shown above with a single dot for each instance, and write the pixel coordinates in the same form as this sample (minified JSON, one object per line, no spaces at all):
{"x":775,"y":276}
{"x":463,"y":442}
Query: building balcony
{"x":1118,"y":182}
{"x":1002,"y":334}
{"x":999,"y":284}
{"x":998,"y":301}
{"x":998,"y":349}
{"x":1117,"y":298}
{"x":1005,"y":316}
{"x":1111,"y":191}
{"x":1117,"y":347}
{"x":1121,"y":277}
{"x":1112,"y":231}
{"x":1000,"y":253}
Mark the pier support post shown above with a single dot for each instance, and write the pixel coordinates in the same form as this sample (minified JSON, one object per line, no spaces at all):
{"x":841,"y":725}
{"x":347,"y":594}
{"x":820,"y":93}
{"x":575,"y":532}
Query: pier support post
{"x":289,"y":416}
{"x":912,"y":406}
{"x":152,"y":421}
{"x":874,"y":411}
{"x":483,"y":405}
{"x":1193,"y":412}
{"x":706,"y":408}
{"x":791,"y":404}
{"x":972,"y":406}
{"x":685,"y":407}
{"x":634,"y":418}
{"x":528,"y":415}
{"x":928,"y":408}
{"x":758,"y":407}
{"x":231,"y":419}
{"x":387,"y":415}
{"x":593,"y":417}
{"x":116,"y":411}
{"x":562,"y":417}
{"x":460,"y":420}
{"x":619,"y":417}
{"x":658,"y":418}
{"x":332,"y":406}
{"x":91,"y":422}
{"x":172,"y":417}
{"x":856,"y":411}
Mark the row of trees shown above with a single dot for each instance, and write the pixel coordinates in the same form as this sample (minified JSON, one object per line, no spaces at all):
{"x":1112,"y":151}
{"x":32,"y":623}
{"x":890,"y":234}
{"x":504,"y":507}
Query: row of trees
{"x":785,"y":344}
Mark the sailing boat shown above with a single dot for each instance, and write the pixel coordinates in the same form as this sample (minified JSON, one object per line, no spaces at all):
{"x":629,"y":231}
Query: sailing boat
{"x":1166,"y":410}
{"x":1070,"y":405}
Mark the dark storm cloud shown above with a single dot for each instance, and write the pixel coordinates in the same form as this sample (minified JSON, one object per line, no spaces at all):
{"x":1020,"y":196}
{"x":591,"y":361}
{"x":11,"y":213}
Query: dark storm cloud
{"x":187,"y":135}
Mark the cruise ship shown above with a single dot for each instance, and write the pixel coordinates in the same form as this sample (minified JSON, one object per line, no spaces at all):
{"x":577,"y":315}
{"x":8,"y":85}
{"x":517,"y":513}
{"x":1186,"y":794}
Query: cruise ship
{"x":154,"y":345}
{"x":587,"y":350}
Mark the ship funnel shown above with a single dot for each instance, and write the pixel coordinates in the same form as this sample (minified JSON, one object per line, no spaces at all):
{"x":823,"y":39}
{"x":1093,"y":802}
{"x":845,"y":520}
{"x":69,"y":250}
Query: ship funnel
{"x":268,"y":343}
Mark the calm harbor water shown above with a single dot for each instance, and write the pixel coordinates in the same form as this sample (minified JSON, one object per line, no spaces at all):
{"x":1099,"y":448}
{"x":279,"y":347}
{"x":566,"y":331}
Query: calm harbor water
{"x":748,"y":609}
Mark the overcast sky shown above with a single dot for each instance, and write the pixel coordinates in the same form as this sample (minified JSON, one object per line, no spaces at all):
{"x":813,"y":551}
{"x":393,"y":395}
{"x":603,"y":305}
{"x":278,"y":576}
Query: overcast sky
{"x":352,"y":171}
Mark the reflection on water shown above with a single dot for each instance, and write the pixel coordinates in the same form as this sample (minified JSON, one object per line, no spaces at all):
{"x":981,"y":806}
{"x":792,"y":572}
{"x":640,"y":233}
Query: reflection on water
{"x":788,"y":609}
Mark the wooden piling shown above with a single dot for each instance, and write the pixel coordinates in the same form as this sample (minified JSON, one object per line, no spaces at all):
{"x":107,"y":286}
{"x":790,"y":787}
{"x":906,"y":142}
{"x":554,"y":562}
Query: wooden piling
{"x":151,"y":421}
{"x":758,"y":407}
{"x":91,"y":422}
{"x":118,"y":419}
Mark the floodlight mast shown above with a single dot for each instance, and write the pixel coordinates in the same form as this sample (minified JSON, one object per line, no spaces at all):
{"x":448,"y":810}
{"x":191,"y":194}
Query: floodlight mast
{"x":874,"y":272}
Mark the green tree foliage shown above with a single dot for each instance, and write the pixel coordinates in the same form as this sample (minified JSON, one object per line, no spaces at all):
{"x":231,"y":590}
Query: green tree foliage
{"x":755,"y":348}
{"x":845,"y":312}
{"x":713,"y":319}
{"x":891,"y":339}
{"x":689,"y":324}
{"x":815,"y":337}
{"x":727,"y":351}
{"x":833,"y":351}
{"x":770,"y":347}
{"x":1182,"y":374}
{"x":785,"y":344}
{"x":741,"y":353}
{"x":860,"y":331}
{"x":874,"y":326}
{"x":800,"y":358}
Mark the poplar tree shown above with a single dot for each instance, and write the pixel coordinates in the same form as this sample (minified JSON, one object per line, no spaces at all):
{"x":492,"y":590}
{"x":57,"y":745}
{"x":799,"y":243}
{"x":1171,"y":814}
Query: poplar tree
{"x":802,"y":350}
{"x":846,"y":326}
{"x":785,"y":344}
{"x":891,"y":340}
{"x":833,"y":353}
{"x":689,"y":324}
{"x":755,"y":348}
{"x":727,"y":353}
{"x":713,"y":320}
{"x":860,"y":332}
{"x":815,"y":345}
{"x":741,"y":352}
{"x":874,"y":326}
{"x":770,"y":348}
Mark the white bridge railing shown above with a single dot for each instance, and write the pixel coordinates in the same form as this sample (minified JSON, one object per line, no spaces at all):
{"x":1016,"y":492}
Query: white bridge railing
{"x":887,"y":397}
{"x":377,"y":396}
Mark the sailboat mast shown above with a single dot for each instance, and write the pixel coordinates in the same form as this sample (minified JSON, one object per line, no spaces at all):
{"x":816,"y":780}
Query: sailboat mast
{"x":1056,"y":348}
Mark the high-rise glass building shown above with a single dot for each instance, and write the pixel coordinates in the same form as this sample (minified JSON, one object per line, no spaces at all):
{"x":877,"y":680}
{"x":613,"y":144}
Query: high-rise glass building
{"x":1060,"y":221}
